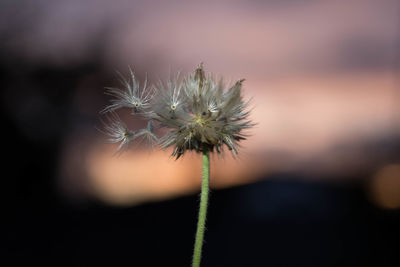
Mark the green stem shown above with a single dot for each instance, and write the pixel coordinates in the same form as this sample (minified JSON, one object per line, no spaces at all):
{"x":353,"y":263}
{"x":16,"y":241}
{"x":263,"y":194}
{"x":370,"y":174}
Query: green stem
{"x":203,"y":209}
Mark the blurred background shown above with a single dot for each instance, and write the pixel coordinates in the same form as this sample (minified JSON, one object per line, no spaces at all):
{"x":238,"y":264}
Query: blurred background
{"x":316,"y":184}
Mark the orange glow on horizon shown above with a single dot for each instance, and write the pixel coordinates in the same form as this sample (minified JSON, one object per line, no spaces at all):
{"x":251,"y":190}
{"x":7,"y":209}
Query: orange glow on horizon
{"x":385,"y":187}
{"x":297,"y":117}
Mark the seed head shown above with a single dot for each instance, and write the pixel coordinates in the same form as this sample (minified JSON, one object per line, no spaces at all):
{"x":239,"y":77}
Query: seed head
{"x":199,"y":112}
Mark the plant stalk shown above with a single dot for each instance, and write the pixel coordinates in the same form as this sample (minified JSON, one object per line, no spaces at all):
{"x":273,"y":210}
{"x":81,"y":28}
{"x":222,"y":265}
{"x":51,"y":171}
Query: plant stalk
{"x":203,"y":209}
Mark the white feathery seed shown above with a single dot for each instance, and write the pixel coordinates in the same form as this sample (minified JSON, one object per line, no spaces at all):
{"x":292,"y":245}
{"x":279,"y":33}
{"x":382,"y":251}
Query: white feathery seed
{"x":130,"y":97}
{"x":118,"y":132}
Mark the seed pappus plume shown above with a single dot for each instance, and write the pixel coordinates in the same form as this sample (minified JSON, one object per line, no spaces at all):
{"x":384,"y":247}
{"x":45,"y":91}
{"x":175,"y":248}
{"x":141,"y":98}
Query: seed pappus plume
{"x":199,"y":112}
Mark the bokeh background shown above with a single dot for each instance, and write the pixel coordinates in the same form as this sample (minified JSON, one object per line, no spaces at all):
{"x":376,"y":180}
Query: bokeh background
{"x":316,"y":184}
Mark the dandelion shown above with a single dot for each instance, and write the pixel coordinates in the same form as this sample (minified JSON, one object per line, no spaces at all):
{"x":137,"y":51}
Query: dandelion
{"x":200,"y":113}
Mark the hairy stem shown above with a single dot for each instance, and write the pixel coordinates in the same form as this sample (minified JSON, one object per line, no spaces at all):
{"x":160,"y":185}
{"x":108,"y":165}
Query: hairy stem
{"x":203,"y":209}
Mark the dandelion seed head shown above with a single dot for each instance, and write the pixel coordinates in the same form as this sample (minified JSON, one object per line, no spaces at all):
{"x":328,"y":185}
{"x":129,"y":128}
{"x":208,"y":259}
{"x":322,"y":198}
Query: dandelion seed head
{"x":200,"y":112}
